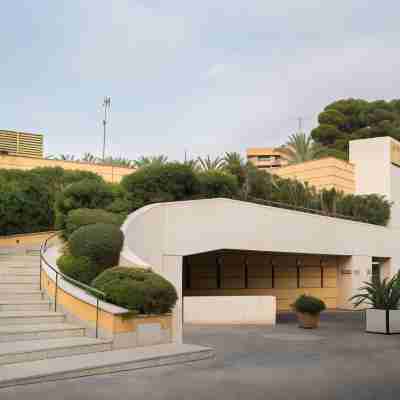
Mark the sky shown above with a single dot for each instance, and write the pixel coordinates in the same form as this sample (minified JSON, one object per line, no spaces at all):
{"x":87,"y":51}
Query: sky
{"x":203,"y":77}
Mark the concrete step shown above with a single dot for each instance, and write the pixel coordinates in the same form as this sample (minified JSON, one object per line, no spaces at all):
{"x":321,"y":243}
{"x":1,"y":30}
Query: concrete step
{"x":21,"y":295}
{"x":102,"y":363}
{"x":6,"y":287}
{"x":16,"y":269}
{"x":23,"y":277}
{"x":18,"y":265}
{"x":17,"y":352}
{"x":30,"y":317}
{"x":25,"y":305}
{"x":19,"y":260}
{"x":13,"y":333}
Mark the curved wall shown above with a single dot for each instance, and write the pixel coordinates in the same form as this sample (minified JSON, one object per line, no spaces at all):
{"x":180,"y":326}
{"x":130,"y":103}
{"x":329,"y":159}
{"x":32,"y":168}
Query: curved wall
{"x":160,"y":235}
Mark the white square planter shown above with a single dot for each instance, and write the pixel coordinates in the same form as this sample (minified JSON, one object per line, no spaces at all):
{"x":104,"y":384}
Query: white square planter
{"x":382,"y":321}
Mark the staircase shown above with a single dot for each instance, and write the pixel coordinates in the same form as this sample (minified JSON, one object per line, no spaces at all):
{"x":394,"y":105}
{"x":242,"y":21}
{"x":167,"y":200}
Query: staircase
{"x":29,"y":328}
{"x":39,"y":345}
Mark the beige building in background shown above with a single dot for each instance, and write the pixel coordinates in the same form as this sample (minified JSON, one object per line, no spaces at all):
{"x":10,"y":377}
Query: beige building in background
{"x":110,"y":173}
{"x":24,"y":151}
{"x":324,"y":173}
{"x":266,"y":158}
{"x":21,"y":143}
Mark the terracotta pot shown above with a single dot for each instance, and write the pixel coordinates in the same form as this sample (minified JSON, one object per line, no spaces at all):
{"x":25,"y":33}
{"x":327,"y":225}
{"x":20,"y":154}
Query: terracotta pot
{"x":308,"y":321}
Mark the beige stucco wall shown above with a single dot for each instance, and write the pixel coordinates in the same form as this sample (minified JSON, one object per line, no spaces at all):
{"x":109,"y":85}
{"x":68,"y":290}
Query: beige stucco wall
{"x":325,"y":173}
{"x":109,"y":172}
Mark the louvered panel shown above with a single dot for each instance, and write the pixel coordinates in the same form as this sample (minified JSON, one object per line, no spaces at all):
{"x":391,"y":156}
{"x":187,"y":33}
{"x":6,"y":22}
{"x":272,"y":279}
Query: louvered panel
{"x":20,"y":143}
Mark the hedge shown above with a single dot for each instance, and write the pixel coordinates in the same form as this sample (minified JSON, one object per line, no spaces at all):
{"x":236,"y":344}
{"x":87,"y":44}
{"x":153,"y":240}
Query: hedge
{"x":85,"y":216}
{"x":218,"y":184}
{"x":87,"y":193}
{"x":27,"y":197}
{"x":101,"y":243}
{"x":140,"y":290}
{"x":81,"y":269}
{"x":160,"y":182}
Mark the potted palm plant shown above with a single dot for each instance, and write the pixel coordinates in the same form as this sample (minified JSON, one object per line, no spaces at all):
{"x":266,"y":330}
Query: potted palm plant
{"x":382,"y":297}
{"x":308,"y":309}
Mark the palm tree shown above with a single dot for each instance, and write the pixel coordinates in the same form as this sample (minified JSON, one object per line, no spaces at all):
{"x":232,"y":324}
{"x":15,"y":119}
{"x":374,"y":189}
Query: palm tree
{"x":300,"y":148}
{"x":89,"y":158}
{"x":233,"y":159}
{"x":119,"y":162}
{"x":193,"y":164}
{"x":153,"y":160}
{"x":63,"y":157}
{"x":210,"y":164}
{"x":235,"y":165}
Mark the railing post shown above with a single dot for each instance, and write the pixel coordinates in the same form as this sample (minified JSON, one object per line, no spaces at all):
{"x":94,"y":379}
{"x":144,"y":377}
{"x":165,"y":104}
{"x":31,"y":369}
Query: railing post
{"x":97,"y":317}
{"x":55,"y":293}
{"x":40,"y":271}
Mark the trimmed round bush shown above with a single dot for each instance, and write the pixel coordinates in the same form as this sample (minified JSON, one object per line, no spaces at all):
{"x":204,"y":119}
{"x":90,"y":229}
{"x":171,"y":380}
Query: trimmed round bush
{"x":87,"y":193}
{"x":138,"y":289}
{"x":81,"y":269}
{"x":159,"y":183}
{"x":101,"y":243}
{"x":85,"y":216}
{"x":309,"y":305}
{"x":218,"y":184}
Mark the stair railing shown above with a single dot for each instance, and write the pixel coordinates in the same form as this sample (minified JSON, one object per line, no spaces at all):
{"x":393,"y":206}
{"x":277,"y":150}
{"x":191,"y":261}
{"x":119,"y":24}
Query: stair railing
{"x":59,"y":275}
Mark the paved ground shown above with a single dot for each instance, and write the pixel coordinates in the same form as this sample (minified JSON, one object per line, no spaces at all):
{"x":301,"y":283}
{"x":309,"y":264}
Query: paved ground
{"x":338,"y":361}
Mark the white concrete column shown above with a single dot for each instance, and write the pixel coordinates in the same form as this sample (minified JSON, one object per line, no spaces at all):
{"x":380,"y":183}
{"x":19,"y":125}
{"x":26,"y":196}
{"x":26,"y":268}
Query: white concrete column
{"x":353,"y":272}
{"x":172,"y":270}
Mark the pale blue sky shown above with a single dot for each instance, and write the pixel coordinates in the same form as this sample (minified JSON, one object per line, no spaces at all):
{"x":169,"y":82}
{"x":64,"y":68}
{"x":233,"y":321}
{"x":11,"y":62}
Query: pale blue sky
{"x":206,"y":76}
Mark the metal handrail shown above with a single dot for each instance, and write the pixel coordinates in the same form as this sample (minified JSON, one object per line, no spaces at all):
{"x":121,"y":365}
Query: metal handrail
{"x":43,"y":248}
{"x":288,"y":206}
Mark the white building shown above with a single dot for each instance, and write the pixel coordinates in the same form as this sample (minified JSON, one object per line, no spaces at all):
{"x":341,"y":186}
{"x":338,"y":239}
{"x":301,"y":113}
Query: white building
{"x":256,"y":254}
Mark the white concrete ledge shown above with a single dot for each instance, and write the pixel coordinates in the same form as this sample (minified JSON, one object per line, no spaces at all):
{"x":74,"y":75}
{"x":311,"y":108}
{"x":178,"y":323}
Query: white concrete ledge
{"x":51,"y":256}
{"x":229,"y":310}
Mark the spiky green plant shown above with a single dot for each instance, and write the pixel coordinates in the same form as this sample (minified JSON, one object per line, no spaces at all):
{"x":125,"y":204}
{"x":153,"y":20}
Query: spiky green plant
{"x":300,"y":148}
{"x":382,"y":295}
{"x":153,"y":160}
{"x":211,"y":164}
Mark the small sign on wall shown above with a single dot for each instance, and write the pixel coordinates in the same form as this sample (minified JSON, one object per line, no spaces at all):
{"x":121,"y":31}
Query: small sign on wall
{"x":347,"y":272}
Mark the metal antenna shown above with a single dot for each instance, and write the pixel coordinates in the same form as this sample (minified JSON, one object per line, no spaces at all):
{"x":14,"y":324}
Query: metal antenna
{"x":106,"y":106}
{"x":300,"y":119}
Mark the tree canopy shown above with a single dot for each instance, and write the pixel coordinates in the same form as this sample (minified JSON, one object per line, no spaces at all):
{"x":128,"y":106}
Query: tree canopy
{"x":350,"y":119}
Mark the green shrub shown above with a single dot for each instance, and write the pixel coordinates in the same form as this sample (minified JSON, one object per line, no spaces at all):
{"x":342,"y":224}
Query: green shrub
{"x":101,"y":243}
{"x":215,"y":183}
{"x":81,"y":269}
{"x":85,"y":216}
{"x":137,"y":289}
{"x":87,"y":193}
{"x":308,"y":305}
{"x":25,"y":203}
{"x":382,"y":295}
{"x":160,"y":182}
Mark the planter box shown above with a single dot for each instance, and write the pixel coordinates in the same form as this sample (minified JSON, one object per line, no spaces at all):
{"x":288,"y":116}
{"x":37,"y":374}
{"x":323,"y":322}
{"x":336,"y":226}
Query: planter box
{"x":383,"y":321}
{"x":308,"y":321}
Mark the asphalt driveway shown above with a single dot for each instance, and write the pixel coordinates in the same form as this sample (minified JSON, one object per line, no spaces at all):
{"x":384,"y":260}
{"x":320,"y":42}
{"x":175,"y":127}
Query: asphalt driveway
{"x":337,"y":361}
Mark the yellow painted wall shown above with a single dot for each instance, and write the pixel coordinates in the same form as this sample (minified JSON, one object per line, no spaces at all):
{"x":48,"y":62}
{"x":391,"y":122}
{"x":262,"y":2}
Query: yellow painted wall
{"x":203,"y":277}
{"x":112,"y":323}
{"x":325,"y":173}
{"x":28,"y":239}
{"x":110,"y":173}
